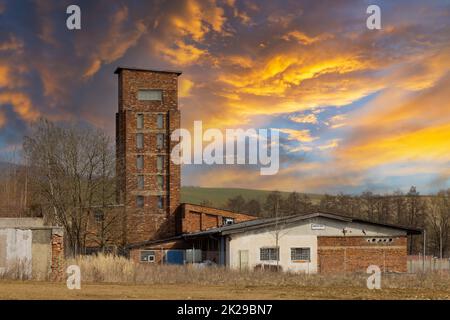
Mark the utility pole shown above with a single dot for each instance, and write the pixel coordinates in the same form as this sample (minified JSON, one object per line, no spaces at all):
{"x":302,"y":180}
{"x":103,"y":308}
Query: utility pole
{"x":424,"y":248}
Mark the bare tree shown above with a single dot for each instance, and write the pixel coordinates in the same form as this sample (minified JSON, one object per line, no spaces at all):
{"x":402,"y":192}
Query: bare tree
{"x":72,"y":170}
{"x":438,"y":219}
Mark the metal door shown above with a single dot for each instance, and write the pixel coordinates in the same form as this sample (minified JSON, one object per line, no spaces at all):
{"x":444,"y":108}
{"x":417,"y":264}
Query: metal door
{"x":243,"y":259}
{"x":175,"y":256}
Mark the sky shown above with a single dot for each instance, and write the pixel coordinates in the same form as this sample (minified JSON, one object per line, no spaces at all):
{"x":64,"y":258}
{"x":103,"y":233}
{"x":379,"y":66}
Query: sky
{"x":357,"y":109}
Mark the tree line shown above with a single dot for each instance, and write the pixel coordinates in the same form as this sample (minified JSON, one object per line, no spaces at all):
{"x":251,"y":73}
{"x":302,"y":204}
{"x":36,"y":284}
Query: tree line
{"x":411,"y":209}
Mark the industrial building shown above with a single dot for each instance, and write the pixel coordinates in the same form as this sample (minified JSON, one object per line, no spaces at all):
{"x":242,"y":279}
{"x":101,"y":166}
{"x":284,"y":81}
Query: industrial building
{"x":158,"y":229}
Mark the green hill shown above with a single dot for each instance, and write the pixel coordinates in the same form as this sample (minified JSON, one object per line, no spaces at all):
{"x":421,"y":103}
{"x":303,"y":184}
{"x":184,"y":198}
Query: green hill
{"x":219,"y":196}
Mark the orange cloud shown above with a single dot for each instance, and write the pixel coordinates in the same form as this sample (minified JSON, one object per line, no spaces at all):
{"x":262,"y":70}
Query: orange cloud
{"x":305,"y":39}
{"x":117,"y":41}
{"x":21,"y":105}
{"x":185,"y":87}
{"x":298,"y":135}
{"x":305,"y":118}
{"x":2,"y":119}
{"x":13,"y":44}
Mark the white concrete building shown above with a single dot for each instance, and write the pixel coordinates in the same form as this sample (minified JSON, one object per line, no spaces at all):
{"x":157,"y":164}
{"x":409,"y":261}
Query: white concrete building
{"x":318,"y":242}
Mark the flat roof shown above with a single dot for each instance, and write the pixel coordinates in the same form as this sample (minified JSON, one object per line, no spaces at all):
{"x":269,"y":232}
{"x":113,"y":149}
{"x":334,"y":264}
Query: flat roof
{"x":119,"y":69}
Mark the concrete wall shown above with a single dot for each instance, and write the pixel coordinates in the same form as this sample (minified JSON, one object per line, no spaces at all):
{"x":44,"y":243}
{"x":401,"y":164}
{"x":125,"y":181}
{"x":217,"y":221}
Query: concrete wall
{"x":253,"y":242}
{"x":21,"y":222}
{"x":38,"y":252}
{"x":301,"y":235}
{"x":15,"y":250}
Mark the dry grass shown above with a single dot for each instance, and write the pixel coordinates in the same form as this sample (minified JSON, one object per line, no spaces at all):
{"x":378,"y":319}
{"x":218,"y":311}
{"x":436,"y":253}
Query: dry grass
{"x":110,"y":277}
{"x":17,"y":270}
{"x":114,"y":269}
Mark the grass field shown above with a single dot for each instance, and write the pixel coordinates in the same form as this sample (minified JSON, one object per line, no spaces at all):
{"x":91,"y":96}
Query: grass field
{"x":48,"y":290}
{"x":113,"y":277}
{"x":219,"y":196}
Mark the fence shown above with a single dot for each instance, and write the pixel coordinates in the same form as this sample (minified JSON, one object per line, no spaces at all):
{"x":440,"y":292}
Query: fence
{"x":429,"y":264}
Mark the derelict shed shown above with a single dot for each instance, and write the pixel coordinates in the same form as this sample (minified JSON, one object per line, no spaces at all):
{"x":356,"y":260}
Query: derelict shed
{"x":29,"y":249}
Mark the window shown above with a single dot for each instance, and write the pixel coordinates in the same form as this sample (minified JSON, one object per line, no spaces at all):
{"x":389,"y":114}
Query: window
{"x":140,"y":121}
{"x":160,"y":163}
{"x":228,"y":221}
{"x":140,"y":201}
{"x":140,"y":182}
{"x":147,"y":256}
{"x":140,"y":140}
{"x":160,"y":181}
{"x":150,"y":95}
{"x":160,"y":121}
{"x":160,"y":140}
{"x":301,"y":254}
{"x":160,"y":202}
{"x":99,"y":216}
{"x":266,"y":254}
{"x":140,"y":162}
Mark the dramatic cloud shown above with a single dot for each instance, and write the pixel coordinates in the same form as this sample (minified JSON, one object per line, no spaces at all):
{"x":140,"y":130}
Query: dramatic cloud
{"x":355,"y":107}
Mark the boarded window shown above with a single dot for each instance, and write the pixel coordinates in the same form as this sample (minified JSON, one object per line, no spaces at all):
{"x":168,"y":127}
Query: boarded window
{"x":160,"y":202}
{"x":269,"y":254}
{"x":140,"y":182}
{"x":160,"y":140}
{"x":147,"y":256}
{"x":140,"y":162}
{"x":140,"y":140}
{"x":99,"y":216}
{"x":301,"y":254}
{"x":140,"y":201}
{"x":140,"y":121}
{"x":160,"y":181}
{"x":160,"y":163}
{"x":150,"y":95}
{"x":160,"y":121}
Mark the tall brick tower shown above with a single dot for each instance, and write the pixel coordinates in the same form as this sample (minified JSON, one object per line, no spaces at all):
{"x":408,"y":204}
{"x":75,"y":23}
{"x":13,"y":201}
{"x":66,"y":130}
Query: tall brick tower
{"x":148,"y":182}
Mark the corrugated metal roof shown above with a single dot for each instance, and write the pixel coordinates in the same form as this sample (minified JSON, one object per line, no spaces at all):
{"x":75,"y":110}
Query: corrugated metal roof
{"x":267,"y":222}
{"x":261,"y":223}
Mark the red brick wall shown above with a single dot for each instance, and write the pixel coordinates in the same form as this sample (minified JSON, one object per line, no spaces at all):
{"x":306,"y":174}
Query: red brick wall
{"x":355,"y":254}
{"x":197,"y":218}
{"x":150,"y":222}
{"x":135,"y":254}
{"x":58,"y":262}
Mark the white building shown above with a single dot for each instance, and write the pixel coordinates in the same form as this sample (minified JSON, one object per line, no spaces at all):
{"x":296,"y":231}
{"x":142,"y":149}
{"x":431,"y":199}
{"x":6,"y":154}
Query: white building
{"x":318,"y":242}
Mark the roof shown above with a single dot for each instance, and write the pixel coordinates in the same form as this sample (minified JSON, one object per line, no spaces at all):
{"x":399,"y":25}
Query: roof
{"x":119,"y":69}
{"x":183,"y":204}
{"x":261,"y":223}
{"x":267,"y":222}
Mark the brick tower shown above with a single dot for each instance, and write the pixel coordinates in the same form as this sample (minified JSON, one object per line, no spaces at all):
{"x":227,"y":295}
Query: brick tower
{"x":148,"y":182}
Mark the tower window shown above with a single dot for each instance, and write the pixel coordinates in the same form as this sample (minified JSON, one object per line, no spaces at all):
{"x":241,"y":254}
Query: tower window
{"x":140,"y":182}
{"x":140,"y":140}
{"x":140,"y":121}
{"x":160,"y":202}
{"x":150,"y":95}
{"x":160,"y":163}
{"x":160,"y":140}
{"x":99,"y":216}
{"x":140,"y":162}
{"x":160,"y":121}
{"x":140,"y":201}
{"x":160,"y":180}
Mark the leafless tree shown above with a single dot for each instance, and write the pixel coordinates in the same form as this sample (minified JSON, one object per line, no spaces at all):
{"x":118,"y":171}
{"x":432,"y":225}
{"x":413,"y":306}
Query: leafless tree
{"x":72,"y":169}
